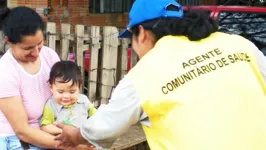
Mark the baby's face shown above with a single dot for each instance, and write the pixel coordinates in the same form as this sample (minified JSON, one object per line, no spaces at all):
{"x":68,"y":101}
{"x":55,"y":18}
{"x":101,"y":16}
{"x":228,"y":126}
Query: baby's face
{"x":65,"y":93}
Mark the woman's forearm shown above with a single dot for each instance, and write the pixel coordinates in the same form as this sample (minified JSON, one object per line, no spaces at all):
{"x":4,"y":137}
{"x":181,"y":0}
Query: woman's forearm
{"x":36,"y":137}
{"x":18,"y":119}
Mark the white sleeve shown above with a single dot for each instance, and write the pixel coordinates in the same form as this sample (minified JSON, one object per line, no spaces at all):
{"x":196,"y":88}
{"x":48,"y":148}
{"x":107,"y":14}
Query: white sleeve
{"x":110,"y":121}
{"x":261,"y":61}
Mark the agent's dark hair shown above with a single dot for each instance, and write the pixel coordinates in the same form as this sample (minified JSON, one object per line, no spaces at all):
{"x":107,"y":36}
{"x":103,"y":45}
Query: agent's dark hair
{"x":20,"y":21}
{"x":65,"y":71}
{"x":195,"y":24}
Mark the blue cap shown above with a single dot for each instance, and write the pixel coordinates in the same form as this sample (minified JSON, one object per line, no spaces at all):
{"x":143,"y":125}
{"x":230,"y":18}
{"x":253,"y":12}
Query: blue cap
{"x":144,"y":10}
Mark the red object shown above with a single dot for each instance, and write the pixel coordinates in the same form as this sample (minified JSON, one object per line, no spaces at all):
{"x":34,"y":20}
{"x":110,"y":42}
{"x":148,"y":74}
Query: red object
{"x":215,"y":10}
{"x":87,"y":60}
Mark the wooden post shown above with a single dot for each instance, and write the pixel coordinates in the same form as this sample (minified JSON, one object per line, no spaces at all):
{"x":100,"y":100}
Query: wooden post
{"x":124,"y":59}
{"x":65,"y":29}
{"x":80,"y":47}
{"x":94,"y":55}
{"x":110,"y":49}
{"x":51,"y":31}
{"x":2,"y":42}
{"x":79,"y":50}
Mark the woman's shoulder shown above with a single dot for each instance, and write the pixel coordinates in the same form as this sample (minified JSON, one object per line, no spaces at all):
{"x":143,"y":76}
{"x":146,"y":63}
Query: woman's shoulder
{"x":49,"y":55}
{"x":48,"y":51}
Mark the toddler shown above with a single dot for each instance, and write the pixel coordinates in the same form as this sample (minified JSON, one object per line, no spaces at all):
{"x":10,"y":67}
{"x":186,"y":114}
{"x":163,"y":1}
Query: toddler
{"x":66,"y":105}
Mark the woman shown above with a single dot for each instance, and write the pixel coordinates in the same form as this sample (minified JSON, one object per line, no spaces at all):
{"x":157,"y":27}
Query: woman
{"x":193,"y":88}
{"x":24,"y":74}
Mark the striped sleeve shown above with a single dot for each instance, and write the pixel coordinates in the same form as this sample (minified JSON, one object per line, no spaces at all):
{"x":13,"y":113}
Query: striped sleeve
{"x":9,"y":82}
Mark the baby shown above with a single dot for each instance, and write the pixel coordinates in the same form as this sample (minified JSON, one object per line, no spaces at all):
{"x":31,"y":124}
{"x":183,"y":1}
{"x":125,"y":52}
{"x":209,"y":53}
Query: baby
{"x":66,"y":105}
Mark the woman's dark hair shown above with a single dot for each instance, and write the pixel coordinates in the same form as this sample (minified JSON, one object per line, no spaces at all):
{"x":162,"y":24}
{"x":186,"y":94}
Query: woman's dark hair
{"x":18,"y":22}
{"x":66,"y":71}
{"x":195,"y":24}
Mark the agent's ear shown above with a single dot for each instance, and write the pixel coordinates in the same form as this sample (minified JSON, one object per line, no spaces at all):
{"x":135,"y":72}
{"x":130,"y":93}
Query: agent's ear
{"x":142,"y":35}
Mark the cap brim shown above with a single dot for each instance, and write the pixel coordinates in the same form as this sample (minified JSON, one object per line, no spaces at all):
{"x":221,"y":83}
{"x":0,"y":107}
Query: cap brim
{"x":125,"y":34}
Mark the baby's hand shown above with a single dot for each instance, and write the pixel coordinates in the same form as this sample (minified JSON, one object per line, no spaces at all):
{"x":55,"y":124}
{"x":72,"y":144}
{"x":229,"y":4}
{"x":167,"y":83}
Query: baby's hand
{"x":52,"y":129}
{"x":58,"y":131}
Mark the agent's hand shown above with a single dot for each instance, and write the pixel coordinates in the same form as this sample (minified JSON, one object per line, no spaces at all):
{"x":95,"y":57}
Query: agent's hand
{"x":68,"y":137}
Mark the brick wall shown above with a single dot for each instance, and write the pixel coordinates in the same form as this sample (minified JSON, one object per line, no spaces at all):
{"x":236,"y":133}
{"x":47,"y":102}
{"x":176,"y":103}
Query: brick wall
{"x":38,"y":5}
{"x":77,"y":12}
{"x":71,"y":11}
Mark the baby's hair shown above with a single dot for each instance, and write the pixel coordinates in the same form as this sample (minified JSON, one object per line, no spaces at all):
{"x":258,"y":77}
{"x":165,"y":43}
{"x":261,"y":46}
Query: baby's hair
{"x":66,"y":71}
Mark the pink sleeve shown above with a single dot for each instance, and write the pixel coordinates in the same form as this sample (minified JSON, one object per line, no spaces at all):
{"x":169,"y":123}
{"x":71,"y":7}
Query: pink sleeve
{"x":9,"y":85}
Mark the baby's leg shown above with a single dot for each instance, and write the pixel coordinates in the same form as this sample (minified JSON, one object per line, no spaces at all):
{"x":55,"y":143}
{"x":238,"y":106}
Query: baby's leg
{"x":13,"y":143}
{"x":32,"y":147}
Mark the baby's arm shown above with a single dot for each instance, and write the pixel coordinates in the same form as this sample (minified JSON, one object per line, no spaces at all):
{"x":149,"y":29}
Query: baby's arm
{"x":47,"y":122}
{"x":52,"y":129}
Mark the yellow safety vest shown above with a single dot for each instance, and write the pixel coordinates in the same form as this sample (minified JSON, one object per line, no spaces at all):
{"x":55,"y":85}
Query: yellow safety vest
{"x":202,"y":95}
